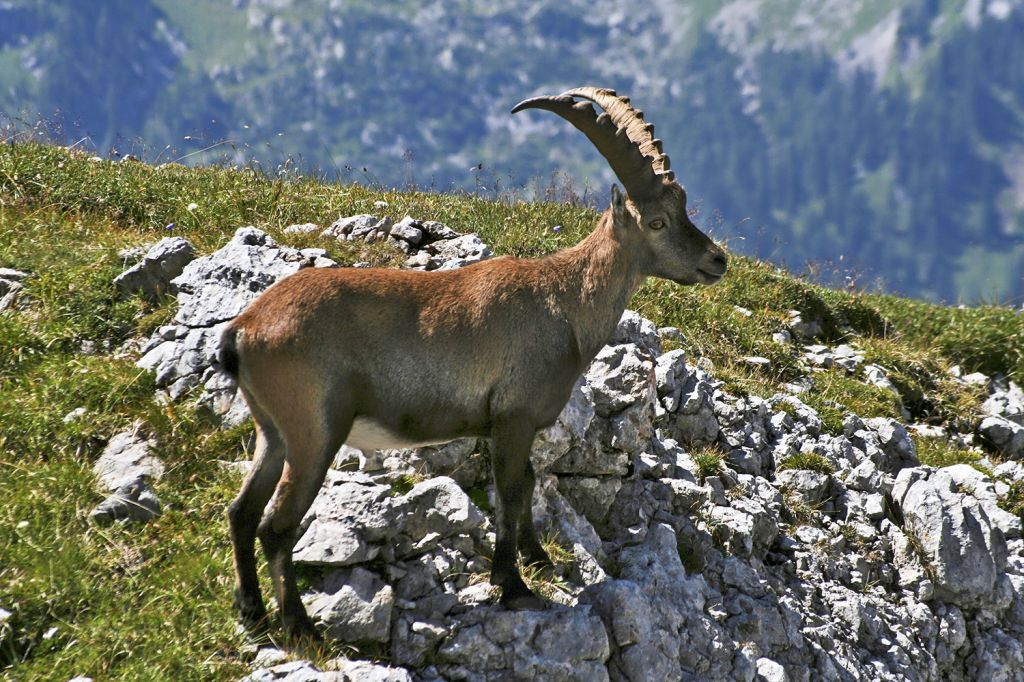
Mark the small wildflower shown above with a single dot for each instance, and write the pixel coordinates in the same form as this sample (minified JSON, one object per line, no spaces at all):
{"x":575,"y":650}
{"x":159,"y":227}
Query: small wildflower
{"x":170,"y":226}
{"x":380,"y":204}
{"x":556,"y":228}
{"x":193,"y":206}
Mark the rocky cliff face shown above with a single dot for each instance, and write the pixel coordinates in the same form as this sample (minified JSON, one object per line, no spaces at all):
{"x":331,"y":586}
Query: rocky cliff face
{"x":697,"y":534}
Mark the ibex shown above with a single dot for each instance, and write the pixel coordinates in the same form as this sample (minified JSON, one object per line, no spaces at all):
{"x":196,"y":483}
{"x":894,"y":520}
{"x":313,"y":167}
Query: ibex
{"x":388,"y":358}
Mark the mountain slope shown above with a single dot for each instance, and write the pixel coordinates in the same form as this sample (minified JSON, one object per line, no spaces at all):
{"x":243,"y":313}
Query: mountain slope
{"x":767,"y":545}
{"x":876,"y":139}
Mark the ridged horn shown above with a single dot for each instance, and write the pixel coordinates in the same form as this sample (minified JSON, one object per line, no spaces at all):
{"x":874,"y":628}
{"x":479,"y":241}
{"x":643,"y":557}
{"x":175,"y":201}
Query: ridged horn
{"x":619,"y":134}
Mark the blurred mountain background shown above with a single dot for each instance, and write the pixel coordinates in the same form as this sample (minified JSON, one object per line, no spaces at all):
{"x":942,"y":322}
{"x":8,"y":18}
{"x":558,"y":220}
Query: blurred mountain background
{"x":868,"y":143}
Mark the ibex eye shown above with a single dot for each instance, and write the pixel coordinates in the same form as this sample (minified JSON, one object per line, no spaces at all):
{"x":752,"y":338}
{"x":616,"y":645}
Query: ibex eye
{"x":656,"y":224}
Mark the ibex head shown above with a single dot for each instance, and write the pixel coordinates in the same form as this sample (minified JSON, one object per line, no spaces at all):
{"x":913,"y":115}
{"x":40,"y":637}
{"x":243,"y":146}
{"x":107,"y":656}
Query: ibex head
{"x":654,"y":212}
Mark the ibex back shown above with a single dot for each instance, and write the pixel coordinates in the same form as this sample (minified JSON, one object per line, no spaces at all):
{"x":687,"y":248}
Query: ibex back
{"x":387,"y":358}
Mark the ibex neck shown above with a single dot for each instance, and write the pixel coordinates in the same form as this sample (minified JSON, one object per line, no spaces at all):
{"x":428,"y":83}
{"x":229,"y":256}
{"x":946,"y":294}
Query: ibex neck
{"x":602,"y":279}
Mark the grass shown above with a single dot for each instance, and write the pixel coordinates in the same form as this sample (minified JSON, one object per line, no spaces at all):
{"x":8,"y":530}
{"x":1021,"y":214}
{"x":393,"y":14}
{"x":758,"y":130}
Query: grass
{"x":153,"y":602}
{"x":938,"y":453}
{"x":809,"y":461}
{"x":547,"y":581}
{"x":800,"y":512}
{"x":710,"y":462}
{"x":1013,"y":501}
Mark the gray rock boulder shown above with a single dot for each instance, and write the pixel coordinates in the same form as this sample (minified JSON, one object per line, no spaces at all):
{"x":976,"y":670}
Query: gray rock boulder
{"x":616,"y":406}
{"x":656,"y":617}
{"x":366,"y":671}
{"x":355,"y":519}
{"x":895,"y":449}
{"x":686,"y":400}
{"x":591,"y":496}
{"x":812,"y":486}
{"x":1006,"y":435}
{"x":448,"y":254}
{"x":1006,"y":400}
{"x":568,"y":431}
{"x":636,"y":329}
{"x":553,"y":514}
{"x":770,"y":671}
{"x":347,"y":522}
{"x":133,"y":502}
{"x":558,"y":644}
{"x":877,"y":376}
{"x":368,"y":228}
{"x":620,"y":377}
{"x":671,"y":373}
{"x":746,"y":528}
{"x":432,"y":510}
{"x":301,"y":228}
{"x":460,"y":459}
{"x":153,"y":275}
{"x":962,"y":551}
{"x":126,"y":458}
{"x":341,"y":670}
{"x":125,"y":469}
{"x":212,"y":290}
{"x":11,"y":287}
{"x":969,"y":481}
{"x":435,"y":231}
{"x":354,"y":604}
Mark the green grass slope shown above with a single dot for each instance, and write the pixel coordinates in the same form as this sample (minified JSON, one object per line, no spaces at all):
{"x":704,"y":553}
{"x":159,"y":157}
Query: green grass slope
{"x":154,"y":602}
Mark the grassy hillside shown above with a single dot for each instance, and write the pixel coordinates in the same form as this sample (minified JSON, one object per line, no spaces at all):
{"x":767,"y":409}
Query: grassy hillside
{"x":153,"y":602}
{"x":865,"y":132}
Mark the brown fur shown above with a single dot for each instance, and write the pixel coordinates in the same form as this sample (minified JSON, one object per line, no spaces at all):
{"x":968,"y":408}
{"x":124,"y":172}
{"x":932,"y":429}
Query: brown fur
{"x":489,"y":350}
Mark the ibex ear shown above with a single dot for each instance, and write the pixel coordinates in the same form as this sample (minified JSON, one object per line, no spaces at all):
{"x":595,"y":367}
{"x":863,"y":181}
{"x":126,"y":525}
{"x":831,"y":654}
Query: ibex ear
{"x":618,"y":205}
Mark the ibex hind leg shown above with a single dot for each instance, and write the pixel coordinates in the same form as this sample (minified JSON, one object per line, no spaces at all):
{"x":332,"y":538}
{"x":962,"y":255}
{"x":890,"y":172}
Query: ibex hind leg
{"x":310,"y":450}
{"x":529,"y":546}
{"x":244,"y":516}
{"x":510,"y":462}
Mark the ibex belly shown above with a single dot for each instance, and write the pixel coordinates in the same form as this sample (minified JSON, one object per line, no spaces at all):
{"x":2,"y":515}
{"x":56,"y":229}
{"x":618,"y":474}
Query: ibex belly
{"x":370,"y":434}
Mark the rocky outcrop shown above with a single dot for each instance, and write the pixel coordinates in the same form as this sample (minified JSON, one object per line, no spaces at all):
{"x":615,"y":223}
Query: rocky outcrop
{"x":11,"y":287}
{"x":153,"y":275}
{"x":211,"y":291}
{"x":870,"y":566}
{"x":125,"y":470}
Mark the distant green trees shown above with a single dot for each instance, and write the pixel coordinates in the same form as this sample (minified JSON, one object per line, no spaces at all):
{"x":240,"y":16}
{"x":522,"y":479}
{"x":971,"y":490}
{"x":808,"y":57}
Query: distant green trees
{"x":911,"y":182}
{"x":905,"y":186}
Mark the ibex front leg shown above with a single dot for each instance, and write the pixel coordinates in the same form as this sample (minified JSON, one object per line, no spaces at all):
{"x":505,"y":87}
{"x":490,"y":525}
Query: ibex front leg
{"x":510,"y":462}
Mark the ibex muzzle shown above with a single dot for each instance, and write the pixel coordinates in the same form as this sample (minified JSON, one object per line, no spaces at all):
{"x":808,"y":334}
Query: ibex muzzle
{"x":386,"y":358}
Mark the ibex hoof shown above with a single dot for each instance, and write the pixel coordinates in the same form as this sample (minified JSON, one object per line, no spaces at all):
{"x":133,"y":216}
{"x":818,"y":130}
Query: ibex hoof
{"x":521,"y":599}
{"x":301,"y":632}
{"x":252,"y":615}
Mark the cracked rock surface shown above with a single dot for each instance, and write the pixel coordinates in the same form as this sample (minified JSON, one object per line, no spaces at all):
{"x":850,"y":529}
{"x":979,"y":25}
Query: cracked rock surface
{"x":877,"y":568}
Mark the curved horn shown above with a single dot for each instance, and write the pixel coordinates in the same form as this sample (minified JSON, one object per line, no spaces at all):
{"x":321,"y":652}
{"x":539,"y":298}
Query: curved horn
{"x":624,"y":115}
{"x":620,"y":135}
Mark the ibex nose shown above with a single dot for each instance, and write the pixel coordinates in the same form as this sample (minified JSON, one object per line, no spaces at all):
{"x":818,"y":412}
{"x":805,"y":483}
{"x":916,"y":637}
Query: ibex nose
{"x":719,"y":262}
